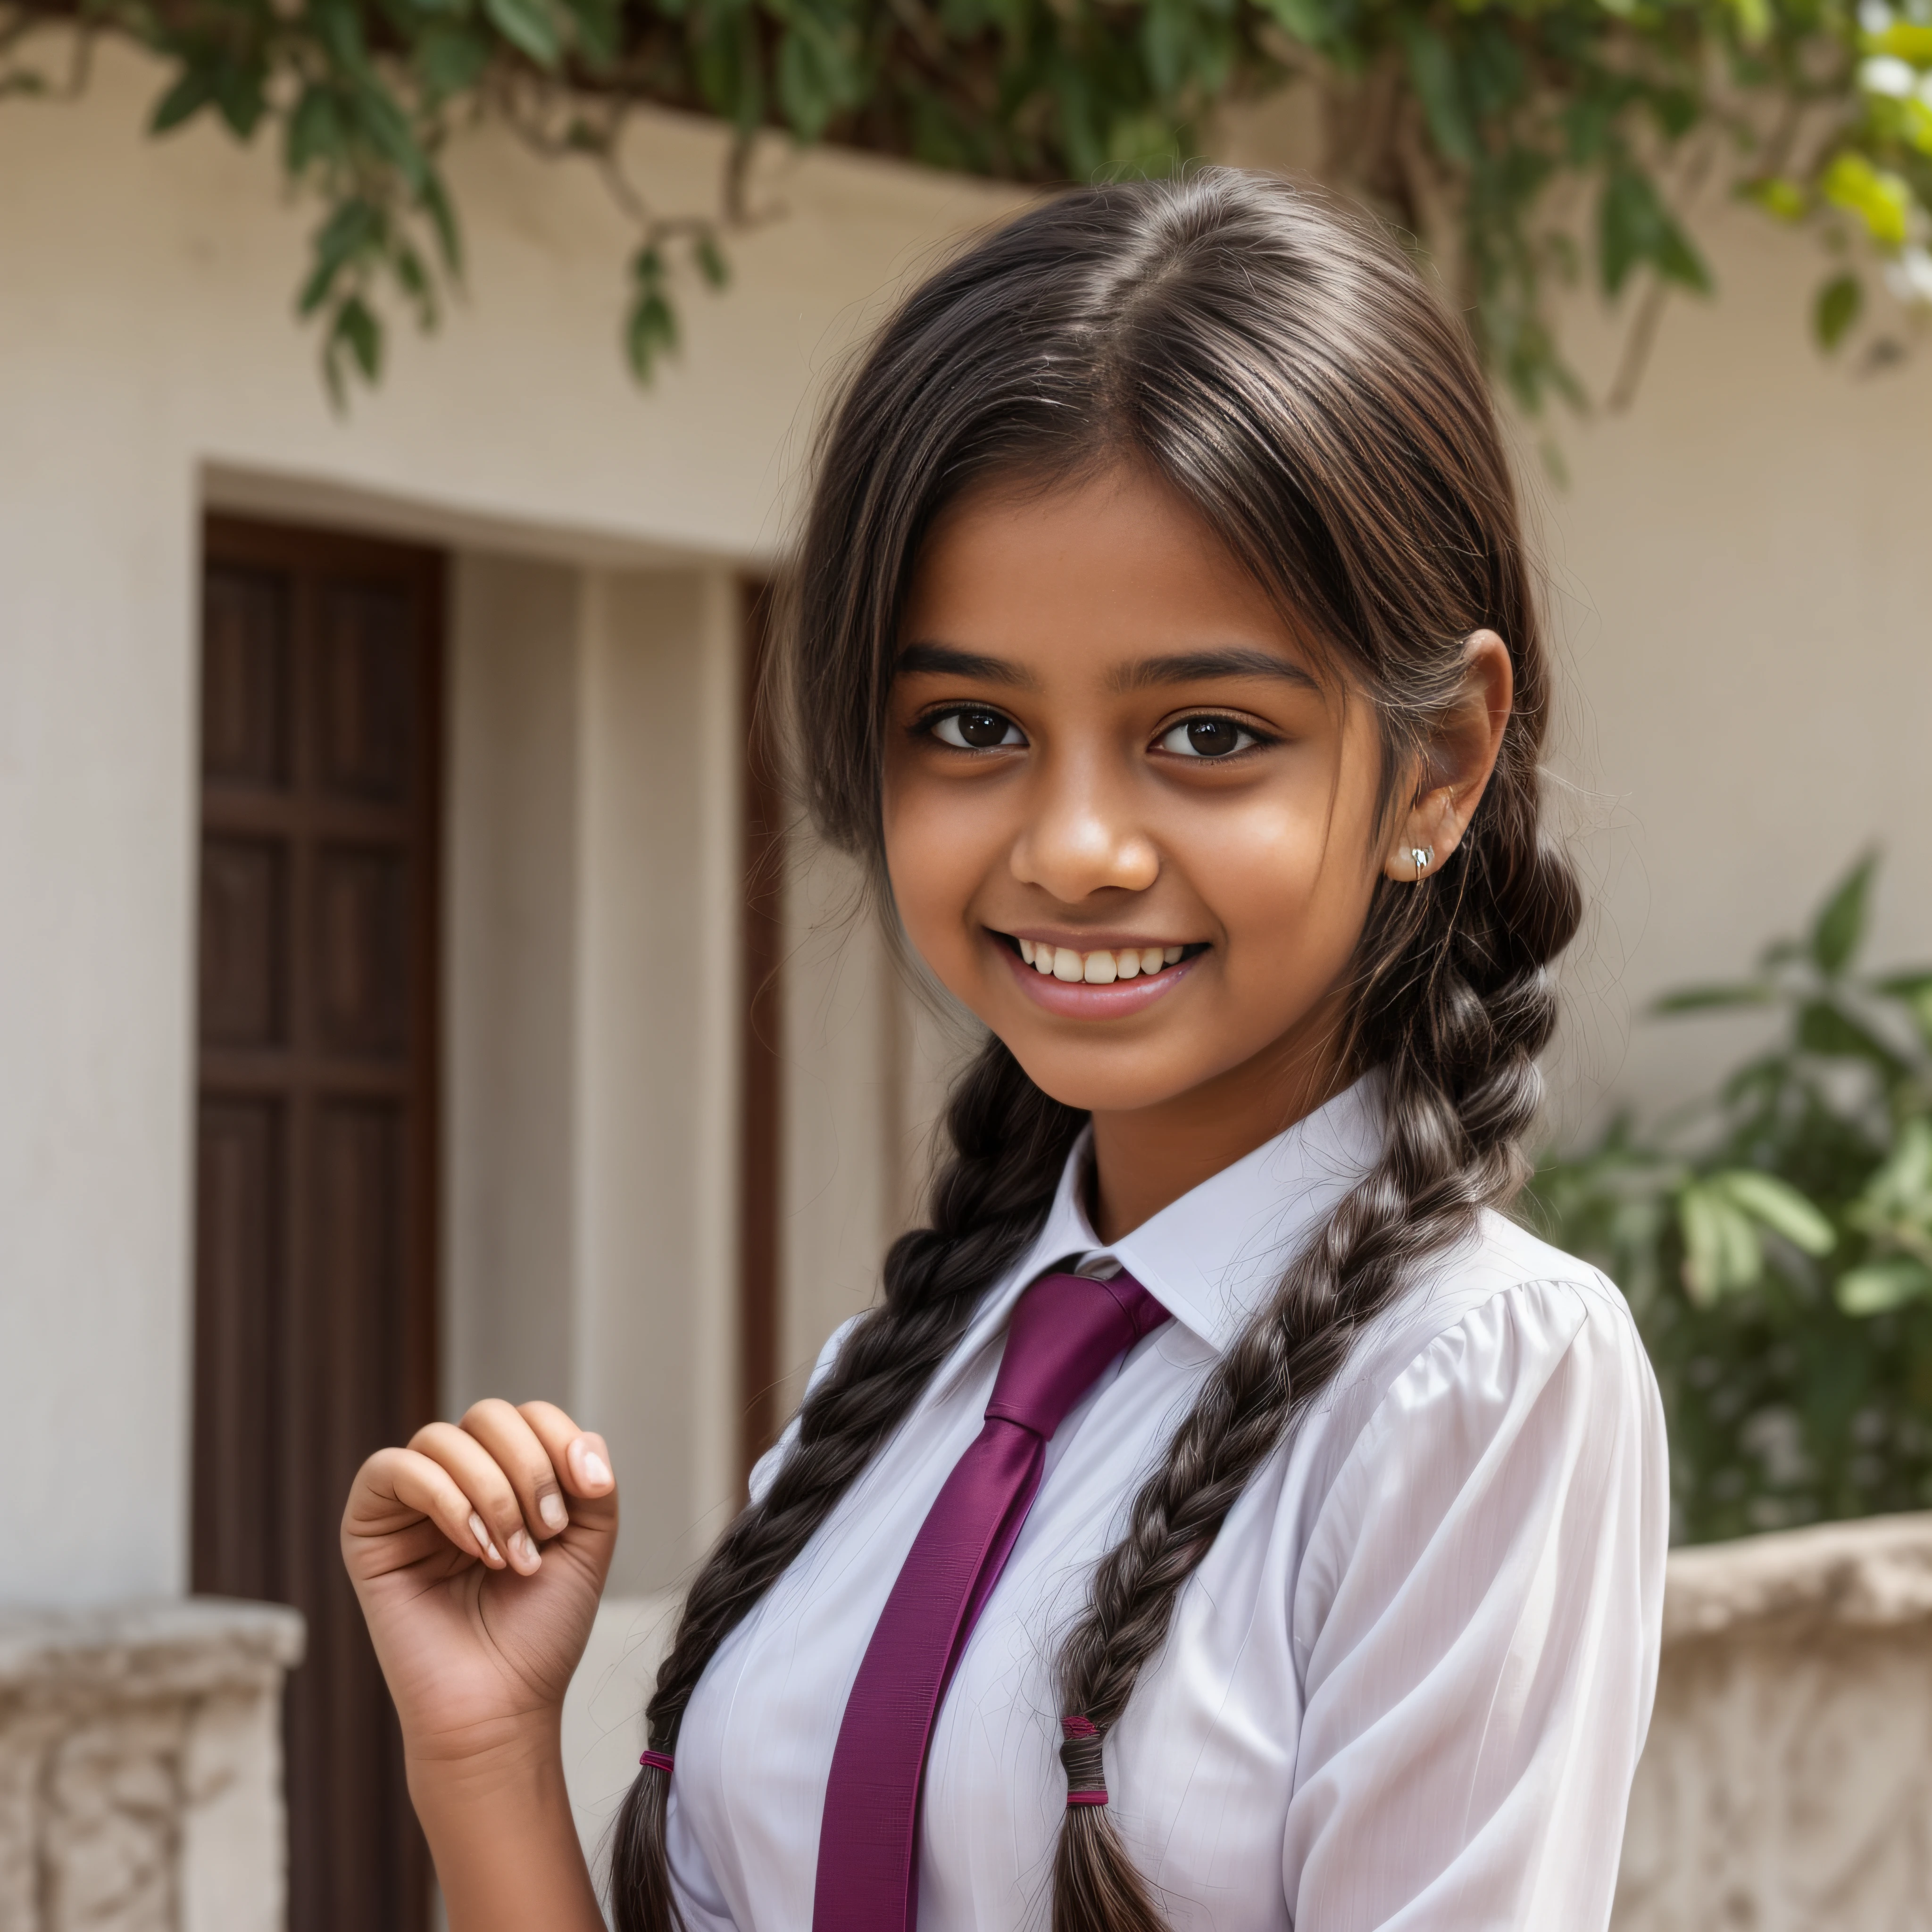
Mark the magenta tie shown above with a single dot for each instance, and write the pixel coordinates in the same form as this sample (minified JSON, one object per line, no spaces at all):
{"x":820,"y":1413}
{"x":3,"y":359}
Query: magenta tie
{"x":1065,"y":1329}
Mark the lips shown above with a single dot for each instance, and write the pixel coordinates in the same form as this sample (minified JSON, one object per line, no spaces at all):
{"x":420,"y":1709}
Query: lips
{"x":1099,"y":983}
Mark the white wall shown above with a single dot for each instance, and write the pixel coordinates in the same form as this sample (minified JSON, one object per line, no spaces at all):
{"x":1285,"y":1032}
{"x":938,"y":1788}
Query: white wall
{"x":149,"y":364}
{"x":1738,"y":588}
{"x":591,"y":939}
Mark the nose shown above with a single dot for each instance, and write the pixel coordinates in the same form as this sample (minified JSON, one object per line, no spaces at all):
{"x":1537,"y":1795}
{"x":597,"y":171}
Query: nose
{"x":1083,"y":835}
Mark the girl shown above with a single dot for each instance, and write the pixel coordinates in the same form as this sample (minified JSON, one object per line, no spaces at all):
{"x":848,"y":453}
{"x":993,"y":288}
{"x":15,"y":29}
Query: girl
{"x":1225,"y":1518}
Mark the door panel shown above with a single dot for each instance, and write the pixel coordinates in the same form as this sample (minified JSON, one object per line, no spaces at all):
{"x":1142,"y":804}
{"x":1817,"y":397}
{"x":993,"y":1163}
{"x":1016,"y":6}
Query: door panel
{"x":316,"y":1188}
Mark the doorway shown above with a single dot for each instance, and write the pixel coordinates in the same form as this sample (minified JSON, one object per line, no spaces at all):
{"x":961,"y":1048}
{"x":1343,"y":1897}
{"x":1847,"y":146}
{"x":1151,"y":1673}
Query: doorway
{"x":315,"y":1154}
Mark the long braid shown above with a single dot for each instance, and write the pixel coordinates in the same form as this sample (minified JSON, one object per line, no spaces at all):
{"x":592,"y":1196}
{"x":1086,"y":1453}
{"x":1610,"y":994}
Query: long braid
{"x":1010,"y":1143}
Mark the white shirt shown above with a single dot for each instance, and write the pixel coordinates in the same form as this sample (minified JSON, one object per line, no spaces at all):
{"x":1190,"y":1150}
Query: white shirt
{"x":1407,"y":1686}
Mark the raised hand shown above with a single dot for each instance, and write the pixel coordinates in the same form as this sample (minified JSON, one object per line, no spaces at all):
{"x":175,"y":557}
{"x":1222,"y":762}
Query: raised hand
{"x":478,"y":1553}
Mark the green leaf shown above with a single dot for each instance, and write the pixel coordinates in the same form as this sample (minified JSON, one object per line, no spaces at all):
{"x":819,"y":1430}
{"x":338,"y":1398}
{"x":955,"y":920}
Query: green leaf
{"x":1880,"y":1286}
{"x":450,"y":60}
{"x":189,"y":95}
{"x":1721,"y":1251}
{"x":238,"y":94}
{"x":710,"y":259}
{"x":388,"y":130}
{"x":1629,"y":219}
{"x":1839,"y":927}
{"x":1779,"y":195}
{"x":1438,"y":86}
{"x":1836,"y":309}
{"x":1880,"y":199}
{"x":356,"y":334}
{"x":651,"y":331}
{"x":1780,"y":1207}
{"x":599,"y":31}
{"x":1703,"y":999}
{"x":355,"y":227}
{"x":316,"y":132}
{"x":1832,"y":1033}
{"x":433,"y":200}
{"x":528,"y":24}
{"x":1906,"y":41}
{"x":1914,"y":991}
{"x":1307,"y":21}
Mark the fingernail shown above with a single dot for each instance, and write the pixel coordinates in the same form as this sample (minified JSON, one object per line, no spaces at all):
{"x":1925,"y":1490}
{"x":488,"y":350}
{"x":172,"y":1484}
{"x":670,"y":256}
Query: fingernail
{"x":522,"y":1550}
{"x":550,"y":1507}
{"x":482,"y":1536}
{"x":595,"y":1468}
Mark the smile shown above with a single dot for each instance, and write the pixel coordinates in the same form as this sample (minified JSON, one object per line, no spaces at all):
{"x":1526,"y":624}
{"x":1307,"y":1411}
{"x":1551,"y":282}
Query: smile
{"x":1099,"y":983}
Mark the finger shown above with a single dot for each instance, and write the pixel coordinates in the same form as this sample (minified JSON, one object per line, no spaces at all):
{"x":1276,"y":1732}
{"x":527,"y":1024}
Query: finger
{"x":579,"y":1455}
{"x":396,"y":1489}
{"x":492,"y":1495}
{"x":524,"y":1459}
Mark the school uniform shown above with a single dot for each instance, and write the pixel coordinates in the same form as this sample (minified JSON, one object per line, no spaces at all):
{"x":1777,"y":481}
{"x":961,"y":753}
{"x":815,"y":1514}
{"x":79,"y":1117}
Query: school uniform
{"x":1406,"y":1687}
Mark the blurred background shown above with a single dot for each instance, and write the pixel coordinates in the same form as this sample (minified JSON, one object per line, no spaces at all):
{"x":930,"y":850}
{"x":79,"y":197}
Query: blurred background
{"x":415,"y":985}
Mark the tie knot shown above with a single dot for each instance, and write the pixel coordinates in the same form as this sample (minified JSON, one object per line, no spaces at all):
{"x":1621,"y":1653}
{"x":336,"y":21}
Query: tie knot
{"x":1065,"y":1329}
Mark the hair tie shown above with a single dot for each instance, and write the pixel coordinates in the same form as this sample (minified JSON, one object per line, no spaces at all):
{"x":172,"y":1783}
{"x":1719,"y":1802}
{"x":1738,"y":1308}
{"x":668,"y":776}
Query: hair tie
{"x":1086,"y":1782}
{"x":657,"y":1761}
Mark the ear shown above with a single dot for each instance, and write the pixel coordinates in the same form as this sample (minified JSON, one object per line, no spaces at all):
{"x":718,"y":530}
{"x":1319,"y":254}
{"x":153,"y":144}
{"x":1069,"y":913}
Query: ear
{"x":1456,"y":764}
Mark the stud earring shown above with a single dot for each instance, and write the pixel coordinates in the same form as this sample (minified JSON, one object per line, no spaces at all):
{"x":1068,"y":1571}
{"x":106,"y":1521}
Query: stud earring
{"x":1422,"y":855}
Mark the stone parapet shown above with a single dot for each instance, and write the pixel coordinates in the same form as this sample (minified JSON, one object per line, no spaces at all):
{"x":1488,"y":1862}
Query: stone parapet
{"x":1787,"y":1786}
{"x":141,"y":1767}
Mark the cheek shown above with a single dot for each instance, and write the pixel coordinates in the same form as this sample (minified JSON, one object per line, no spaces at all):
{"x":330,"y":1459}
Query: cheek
{"x":933,"y":863}
{"x":1292,"y":887}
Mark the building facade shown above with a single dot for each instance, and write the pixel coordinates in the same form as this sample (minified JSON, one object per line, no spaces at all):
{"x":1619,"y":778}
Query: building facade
{"x":404,"y":956}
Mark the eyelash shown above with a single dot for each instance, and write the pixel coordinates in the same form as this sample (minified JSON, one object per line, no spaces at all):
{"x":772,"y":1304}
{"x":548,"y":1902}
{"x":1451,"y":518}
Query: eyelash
{"x":929,"y":727}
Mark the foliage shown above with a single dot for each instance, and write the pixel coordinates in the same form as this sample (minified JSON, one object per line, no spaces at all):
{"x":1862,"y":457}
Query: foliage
{"x":1497,"y":131}
{"x":1776,"y":1242}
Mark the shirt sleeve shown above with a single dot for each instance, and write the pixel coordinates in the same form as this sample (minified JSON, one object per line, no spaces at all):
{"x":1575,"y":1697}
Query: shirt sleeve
{"x":1478,"y":1610}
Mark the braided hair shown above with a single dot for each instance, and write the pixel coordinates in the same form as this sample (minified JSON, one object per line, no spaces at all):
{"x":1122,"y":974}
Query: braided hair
{"x":1284,"y":369}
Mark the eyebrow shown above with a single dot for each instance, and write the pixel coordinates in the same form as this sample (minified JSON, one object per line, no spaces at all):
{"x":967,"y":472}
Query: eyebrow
{"x":1195,"y":667}
{"x":953,"y":662}
{"x":1178,"y":668}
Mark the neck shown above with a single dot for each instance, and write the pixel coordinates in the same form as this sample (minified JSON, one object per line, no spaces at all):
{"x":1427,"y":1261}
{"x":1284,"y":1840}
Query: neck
{"x":1147,"y":1157}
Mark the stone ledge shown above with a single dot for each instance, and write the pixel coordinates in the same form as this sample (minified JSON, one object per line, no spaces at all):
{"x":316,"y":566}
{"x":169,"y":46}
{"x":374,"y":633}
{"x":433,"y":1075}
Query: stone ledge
{"x":177,"y":1647}
{"x":1859,"y":1575}
{"x":141,"y":1767}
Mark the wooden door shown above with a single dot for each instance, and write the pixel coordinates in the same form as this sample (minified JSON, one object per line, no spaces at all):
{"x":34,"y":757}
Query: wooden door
{"x":316,"y":1159}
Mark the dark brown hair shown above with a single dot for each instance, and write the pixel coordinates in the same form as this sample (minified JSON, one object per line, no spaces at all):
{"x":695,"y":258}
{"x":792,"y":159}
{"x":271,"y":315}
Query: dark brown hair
{"x":1283,"y":367}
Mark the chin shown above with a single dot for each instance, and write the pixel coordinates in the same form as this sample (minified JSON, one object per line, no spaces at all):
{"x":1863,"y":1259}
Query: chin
{"x":1089,"y":1088}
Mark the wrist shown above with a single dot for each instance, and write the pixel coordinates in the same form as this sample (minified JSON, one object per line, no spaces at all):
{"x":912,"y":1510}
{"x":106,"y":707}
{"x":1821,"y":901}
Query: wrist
{"x":509,"y":1755}
{"x":500,"y":1829}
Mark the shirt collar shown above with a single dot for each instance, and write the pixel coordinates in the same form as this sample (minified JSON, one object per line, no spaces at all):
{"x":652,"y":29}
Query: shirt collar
{"x":1213,"y":1258}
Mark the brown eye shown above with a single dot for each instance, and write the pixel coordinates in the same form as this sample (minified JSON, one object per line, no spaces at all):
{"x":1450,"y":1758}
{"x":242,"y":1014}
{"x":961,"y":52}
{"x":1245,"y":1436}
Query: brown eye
{"x":1207,"y":738}
{"x":976,"y":731}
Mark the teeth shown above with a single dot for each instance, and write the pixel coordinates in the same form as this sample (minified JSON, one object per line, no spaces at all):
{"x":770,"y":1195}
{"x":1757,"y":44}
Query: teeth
{"x":1100,"y":968}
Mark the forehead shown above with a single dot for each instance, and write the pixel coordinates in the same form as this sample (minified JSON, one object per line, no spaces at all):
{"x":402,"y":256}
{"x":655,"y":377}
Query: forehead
{"x":1108,"y":569}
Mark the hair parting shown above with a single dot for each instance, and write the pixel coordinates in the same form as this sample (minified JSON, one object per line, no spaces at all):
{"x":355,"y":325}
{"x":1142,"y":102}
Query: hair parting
{"x":1283,"y":370}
